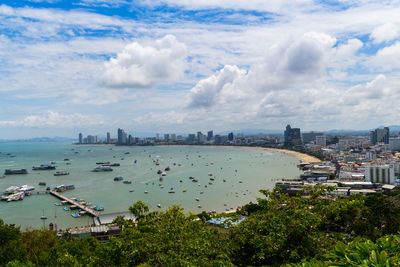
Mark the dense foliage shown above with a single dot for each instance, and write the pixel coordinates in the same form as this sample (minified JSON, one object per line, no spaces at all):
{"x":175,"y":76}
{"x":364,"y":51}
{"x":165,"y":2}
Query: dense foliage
{"x":279,"y":230}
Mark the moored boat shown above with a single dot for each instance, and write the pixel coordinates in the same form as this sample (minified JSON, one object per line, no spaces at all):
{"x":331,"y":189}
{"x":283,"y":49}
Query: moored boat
{"x":61,"y":173}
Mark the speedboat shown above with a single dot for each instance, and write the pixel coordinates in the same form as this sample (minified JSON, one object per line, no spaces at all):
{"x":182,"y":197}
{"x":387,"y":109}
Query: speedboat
{"x":159,"y":205}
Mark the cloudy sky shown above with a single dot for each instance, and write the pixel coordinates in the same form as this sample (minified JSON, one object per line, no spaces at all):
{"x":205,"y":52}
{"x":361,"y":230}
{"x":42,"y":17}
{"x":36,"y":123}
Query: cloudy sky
{"x":151,"y":66}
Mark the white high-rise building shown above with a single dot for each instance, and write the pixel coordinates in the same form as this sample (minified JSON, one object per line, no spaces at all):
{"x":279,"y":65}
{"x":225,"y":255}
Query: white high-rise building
{"x":320,"y":140}
{"x":394,"y":144}
{"x":173,"y":137}
{"x":383,"y":174}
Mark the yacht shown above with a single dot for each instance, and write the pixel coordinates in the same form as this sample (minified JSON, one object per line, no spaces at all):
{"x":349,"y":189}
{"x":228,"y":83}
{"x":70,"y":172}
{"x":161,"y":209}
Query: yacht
{"x":102,"y":169}
{"x":61,"y":173}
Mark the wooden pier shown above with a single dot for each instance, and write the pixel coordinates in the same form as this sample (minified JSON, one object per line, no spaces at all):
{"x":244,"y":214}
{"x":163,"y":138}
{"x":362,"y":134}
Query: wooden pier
{"x":73,"y":202}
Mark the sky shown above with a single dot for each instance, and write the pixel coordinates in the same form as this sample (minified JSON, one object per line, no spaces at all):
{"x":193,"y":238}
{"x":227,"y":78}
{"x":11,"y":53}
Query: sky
{"x":182,"y":66}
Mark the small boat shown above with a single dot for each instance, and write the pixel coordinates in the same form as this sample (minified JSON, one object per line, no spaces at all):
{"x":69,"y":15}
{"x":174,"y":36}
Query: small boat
{"x":44,"y":167}
{"x":102,"y":169}
{"x":180,"y":181}
{"x":127,"y":182}
{"x":163,"y":173}
{"x":197,"y":199}
{"x":66,"y":159}
{"x":184,"y":190}
{"x":131,"y":190}
{"x":167,"y":169}
{"x":195,"y":180}
{"x":201,"y":192}
{"x":64,"y":202}
{"x":42,"y":183}
{"x":199,"y":206}
{"x":73,"y":207}
{"x":99,"y":208}
{"x":66,"y":209}
{"x":224,"y":180}
{"x":146,"y":192}
{"x":159,"y":171}
{"x":118,"y":178}
{"x":82,"y":212}
{"x":43,"y":217}
{"x":126,"y":153}
{"x":57,"y":204}
{"x":171,"y":191}
{"x":210,"y":174}
{"x":102,"y":162}
{"x":135,"y":161}
{"x":159,"y":205}
{"x":75,"y":215}
{"x":212,"y":179}
{"x":160,"y":179}
{"x":53,"y":162}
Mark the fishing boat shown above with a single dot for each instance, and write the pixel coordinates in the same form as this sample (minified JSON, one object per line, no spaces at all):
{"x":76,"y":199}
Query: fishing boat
{"x":159,"y":205}
{"x":159,"y":171}
{"x":127,"y":182}
{"x":43,"y":217}
{"x":184,"y":190}
{"x":167,"y":169}
{"x":44,"y":167}
{"x":70,"y":187}
{"x":66,"y":209}
{"x":164,"y":174}
{"x":42,"y":183}
{"x":102,"y":169}
{"x":61,"y":173}
{"x":146,"y":192}
{"x":75,"y":215}
{"x":197,"y":199}
{"x":171,"y":191}
{"x":21,"y":171}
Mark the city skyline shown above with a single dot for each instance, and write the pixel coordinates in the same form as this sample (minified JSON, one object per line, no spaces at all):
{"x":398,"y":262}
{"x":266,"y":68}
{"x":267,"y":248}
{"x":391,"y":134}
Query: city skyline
{"x":179,"y":66}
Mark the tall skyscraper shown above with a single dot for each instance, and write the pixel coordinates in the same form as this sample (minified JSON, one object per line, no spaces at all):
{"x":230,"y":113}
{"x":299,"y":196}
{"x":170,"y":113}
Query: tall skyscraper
{"x":380,"y":136}
{"x":108,"y":140}
{"x":157,"y":136}
{"x":292,"y":136}
{"x":210,"y":135}
{"x":80,"y":138}
{"x":166,"y":137}
{"x":230,"y":136}
{"x":122,"y":138}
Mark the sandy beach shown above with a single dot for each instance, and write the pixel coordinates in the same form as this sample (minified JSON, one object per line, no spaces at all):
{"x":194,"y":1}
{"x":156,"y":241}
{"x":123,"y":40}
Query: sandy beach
{"x":303,"y":157}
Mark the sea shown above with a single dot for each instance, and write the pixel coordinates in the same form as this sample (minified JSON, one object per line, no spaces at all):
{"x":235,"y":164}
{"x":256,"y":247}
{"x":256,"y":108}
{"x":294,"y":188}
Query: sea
{"x":239,"y":173}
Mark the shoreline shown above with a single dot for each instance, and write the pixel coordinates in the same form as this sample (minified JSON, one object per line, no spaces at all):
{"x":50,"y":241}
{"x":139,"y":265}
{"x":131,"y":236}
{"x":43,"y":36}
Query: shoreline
{"x":301,"y":156}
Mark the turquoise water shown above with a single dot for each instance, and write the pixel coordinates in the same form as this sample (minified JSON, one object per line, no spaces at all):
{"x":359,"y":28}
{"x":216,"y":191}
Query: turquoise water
{"x":245,"y":171}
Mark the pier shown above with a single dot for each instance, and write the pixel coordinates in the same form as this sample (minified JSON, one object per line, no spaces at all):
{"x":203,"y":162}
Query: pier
{"x":73,"y":202}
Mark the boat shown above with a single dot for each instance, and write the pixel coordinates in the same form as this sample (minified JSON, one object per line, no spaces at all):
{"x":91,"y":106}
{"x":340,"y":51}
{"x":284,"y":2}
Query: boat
{"x":126,"y":153}
{"x":61,"y":188}
{"x":224,"y":180}
{"x":12,"y":189}
{"x":102,"y":169}
{"x":70,"y":187}
{"x":135,"y":161}
{"x":167,"y":169}
{"x":212,"y":179}
{"x":127,"y":182}
{"x":157,"y":163}
{"x":171,"y":191}
{"x":64,"y":202}
{"x":2,"y":176}
{"x":160,"y":179}
{"x":61,"y":173}
{"x":43,"y":217}
{"x":57,"y":204}
{"x":75,"y":215}
{"x":66,"y":209}
{"x":82,"y":212}
{"x":163,"y":173}
{"x":210,"y":174}
{"x":146,"y":192}
{"x":53,"y":162}
{"x":131,"y":190}
{"x":67,"y":159}
{"x":99,"y":208}
{"x":44,"y":167}
{"x":199,"y":206}
{"x":42,"y":183}
{"x":118,"y":178}
{"x":73,"y":207}
{"x":26,"y":188}
{"x":111,"y":164}
{"x":195,"y":180}
{"x":184,"y":190}
{"x":197,"y":199}
{"x":102,"y":162}
{"x":159,"y":171}
{"x":21,"y":171}
{"x":159,"y":205}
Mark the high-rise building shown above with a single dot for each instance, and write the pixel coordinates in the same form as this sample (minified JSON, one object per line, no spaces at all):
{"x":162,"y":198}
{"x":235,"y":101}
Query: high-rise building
{"x":80,"y":138}
{"x":122,"y":137}
{"x":380,"y":136}
{"x":320,"y":140}
{"x":292,"y":136}
{"x":230,"y":136}
{"x":173,"y":137}
{"x":310,"y":137}
{"x":166,"y":137}
{"x":210,"y":135}
{"x":108,"y":140}
{"x":191,"y":137}
{"x":157,"y":136}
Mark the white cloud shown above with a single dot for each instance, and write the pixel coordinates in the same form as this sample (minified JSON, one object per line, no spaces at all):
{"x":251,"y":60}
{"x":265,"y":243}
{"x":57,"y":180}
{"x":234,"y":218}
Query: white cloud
{"x":387,"y":58}
{"x":384,"y":33}
{"x":145,"y":66}
{"x":54,"y":119}
{"x":349,"y":49}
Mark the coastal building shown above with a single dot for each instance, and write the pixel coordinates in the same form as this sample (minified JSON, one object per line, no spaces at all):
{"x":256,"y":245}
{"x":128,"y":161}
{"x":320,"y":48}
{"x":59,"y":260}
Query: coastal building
{"x":310,"y":137}
{"x":173,"y":137}
{"x":383,"y":174}
{"x":157,"y":136}
{"x":122,"y":136}
{"x":166,"y":137}
{"x":80,"y":138}
{"x":380,"y":136}
{"x":191,"y":137}
{"x":108,"y":139}
{"x":292,"y":136}
{"x":210,"y":135}
{"x":320,"y":140}
{"x":230,"y":136}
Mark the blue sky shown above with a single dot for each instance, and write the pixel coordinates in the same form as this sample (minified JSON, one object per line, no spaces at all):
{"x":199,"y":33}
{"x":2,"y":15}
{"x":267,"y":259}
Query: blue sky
{"x":169,"y":66}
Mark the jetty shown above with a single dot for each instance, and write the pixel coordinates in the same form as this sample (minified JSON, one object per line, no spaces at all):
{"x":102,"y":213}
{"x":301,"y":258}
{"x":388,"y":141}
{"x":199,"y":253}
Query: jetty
{"x":90,"y":211}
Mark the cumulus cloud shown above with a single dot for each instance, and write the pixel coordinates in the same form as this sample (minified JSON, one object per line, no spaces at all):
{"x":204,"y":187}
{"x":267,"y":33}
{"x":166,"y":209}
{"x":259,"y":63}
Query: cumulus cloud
{"x":386,"y":32}
{"x":349,"y":49}
{"x":53,"y":118}
{"x":286,"y":65}
{"x":209,"y":91}
{"x":387,"y":58}
{"x":139,"y":66}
